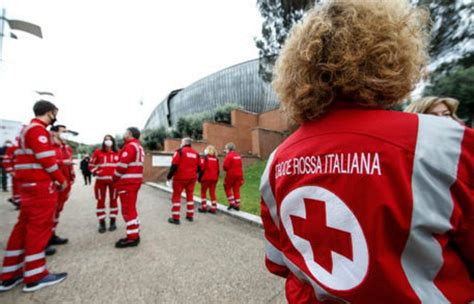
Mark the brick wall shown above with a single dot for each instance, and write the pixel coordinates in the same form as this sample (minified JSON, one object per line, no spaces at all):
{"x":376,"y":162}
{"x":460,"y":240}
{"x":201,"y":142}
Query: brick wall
{"x":264,"y":141}
{"x":273,"y":120}
{"x":173,"y":144}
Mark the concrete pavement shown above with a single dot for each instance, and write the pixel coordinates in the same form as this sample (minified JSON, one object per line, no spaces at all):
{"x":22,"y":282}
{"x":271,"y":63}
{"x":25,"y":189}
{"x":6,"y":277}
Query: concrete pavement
{"x":216,"y":259}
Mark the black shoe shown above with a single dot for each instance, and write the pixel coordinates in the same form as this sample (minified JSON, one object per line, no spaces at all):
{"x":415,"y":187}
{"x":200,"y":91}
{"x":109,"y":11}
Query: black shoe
{"x":56,"y":240}
{"x":49,"y":251}
{"x":124,"y":243}
{"x":202,"y":209}
{"x":10,"y":284}
{"x":102,"y":228}
{"x":173,"y":221}
{"x":112,"y":227}
{"x":190,"y":218}
{"x":230,"y":207}
{"x":49,"y":280}
{"x":213,"y":211}
{"x":236,"y":208}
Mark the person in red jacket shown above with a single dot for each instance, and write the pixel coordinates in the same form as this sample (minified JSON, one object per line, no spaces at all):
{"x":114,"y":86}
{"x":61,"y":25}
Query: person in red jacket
{"x":184,"y":170}
{"x":128,"y":178}
{"x":234,"y":178}
{"x":362,"y":204}
{"x":102,"y":165}
{"x":64,"y":155}
{"x":8,"y":164}
{"x":208,"y":177}
{"x":38,"y":174}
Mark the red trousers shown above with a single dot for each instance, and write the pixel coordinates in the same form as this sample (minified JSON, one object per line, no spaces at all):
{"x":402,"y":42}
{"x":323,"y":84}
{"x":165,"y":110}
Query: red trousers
{"x":178,"y":187}
{"x":232,"y":189}
{"x":100,"y":190}
{"x":24,"y":254}
{"x":128,"y":195}
{"x":211,"y":186}
{"x":16,"y":190}
{"x":63,"y":196}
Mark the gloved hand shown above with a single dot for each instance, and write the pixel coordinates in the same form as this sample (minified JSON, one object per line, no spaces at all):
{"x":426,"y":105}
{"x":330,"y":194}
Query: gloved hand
{"x":169,"y":183}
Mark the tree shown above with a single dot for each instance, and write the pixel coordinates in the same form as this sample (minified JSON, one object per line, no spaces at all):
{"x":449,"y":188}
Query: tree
{"x":456,"y":84}
{"x":452,"y":30}
{"x":279,"y":17}
{"x":154,"y":139}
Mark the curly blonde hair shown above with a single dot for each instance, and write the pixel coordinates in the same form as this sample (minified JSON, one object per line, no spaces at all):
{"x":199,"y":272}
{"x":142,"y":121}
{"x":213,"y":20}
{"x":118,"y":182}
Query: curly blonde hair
{"x":363,"y":51}
{"x":426,"y":104}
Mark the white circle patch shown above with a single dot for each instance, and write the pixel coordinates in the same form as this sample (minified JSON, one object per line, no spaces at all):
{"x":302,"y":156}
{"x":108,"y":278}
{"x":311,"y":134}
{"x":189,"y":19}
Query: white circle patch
{"x":43,"y":139}
{"x":341,"y":259}
{"x":116,"y":158}
{"x":124,"y":154}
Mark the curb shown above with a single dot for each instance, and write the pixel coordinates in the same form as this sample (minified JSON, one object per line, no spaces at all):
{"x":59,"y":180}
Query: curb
{"x":241,"y":215}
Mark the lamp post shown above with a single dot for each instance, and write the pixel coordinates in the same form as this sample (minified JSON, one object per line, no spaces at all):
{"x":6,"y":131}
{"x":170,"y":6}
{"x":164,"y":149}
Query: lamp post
{"x":19,"y":25}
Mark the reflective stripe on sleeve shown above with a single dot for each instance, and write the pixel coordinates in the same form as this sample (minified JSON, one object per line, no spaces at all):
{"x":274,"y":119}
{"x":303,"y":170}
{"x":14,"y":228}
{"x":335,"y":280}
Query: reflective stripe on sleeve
{"x":27,"y":166}
{"x":52,"y":168}
{"x":133,"y":231}
{"x":45,"y":154}
{"x":273,"y":254}
{"x":130,"y":176}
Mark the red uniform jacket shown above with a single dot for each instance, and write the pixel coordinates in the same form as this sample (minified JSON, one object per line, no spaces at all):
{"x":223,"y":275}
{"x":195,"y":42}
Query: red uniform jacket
{"x":129,"y":170}
{"x":64,"y":154}
{"x":187,"y":161}
{"x":103,"y":164}
{"x":35,"y":159}
{"x":233,"y":165}
{"x":372,"y":206}
{"x":210,"y":169}
{"x":9,"y":159}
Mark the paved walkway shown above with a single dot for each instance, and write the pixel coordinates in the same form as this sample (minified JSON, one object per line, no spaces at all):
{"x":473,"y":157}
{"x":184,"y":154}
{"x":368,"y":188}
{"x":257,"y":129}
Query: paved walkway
{"x":216,"y":259}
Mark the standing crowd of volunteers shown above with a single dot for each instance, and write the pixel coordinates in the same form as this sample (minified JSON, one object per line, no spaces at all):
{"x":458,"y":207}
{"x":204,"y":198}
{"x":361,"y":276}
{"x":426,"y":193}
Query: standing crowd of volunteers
{"x":41,"y":166}
{"x":188,"y":167}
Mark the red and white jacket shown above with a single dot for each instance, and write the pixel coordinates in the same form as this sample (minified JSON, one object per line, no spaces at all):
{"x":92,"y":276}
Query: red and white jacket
{"x":35,"y":159}
{"x":233,"y":165}
{"x":210,"y":169}
{"x":64,"y":154}
{"x":372,"y":206}
{"x":129,"y":169}
{"x":103,"y":164}
{"x":188,"y":163}
{"x":9,"y":159}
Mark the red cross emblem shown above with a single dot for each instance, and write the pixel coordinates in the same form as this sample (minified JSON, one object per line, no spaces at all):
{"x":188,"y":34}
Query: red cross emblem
{"x":327,"y":236}
{"x":323,"y":239}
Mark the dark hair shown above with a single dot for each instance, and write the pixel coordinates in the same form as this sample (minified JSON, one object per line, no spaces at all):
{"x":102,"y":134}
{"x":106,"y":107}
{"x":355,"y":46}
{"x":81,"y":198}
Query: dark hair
{"x":135,"y":132}
{"x":56,"y":128}
{"x":42,"y":107}
{"x":114,"y":144}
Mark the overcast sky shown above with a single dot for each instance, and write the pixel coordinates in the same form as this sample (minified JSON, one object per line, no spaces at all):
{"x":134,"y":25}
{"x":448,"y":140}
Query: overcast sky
{"x":101,"y":57}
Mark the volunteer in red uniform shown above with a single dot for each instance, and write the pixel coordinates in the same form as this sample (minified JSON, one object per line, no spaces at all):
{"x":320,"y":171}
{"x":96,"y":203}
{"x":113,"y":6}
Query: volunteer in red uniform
{"x":362,"y":204}
{"x":234,"y":178}
{"x":102,"y":165}
{"x":8,"y":164}
{"x":128,"y":178}
{"x":64,"y":155}
{"x":38,"y":174}
{"x":184,"y":173}
{"x":208,"y":177}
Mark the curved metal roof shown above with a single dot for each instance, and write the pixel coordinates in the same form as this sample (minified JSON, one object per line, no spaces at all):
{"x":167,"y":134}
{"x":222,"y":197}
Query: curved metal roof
{"x":238,"y":84}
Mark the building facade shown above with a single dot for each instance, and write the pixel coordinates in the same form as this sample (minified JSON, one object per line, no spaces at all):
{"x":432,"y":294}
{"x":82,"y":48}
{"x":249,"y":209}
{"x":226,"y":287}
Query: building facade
{"x":239,"y":84}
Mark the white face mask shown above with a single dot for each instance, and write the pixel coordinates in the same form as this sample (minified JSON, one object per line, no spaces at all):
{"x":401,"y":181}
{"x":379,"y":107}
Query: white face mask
{"x":9,"y":145}
{"x":108,"y":143}
{"x":64,"y":136}
{"x":206,"y":152}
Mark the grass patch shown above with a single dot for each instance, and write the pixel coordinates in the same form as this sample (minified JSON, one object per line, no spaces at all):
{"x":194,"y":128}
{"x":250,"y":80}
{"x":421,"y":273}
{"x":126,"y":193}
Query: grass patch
{"x":249,"y":192}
